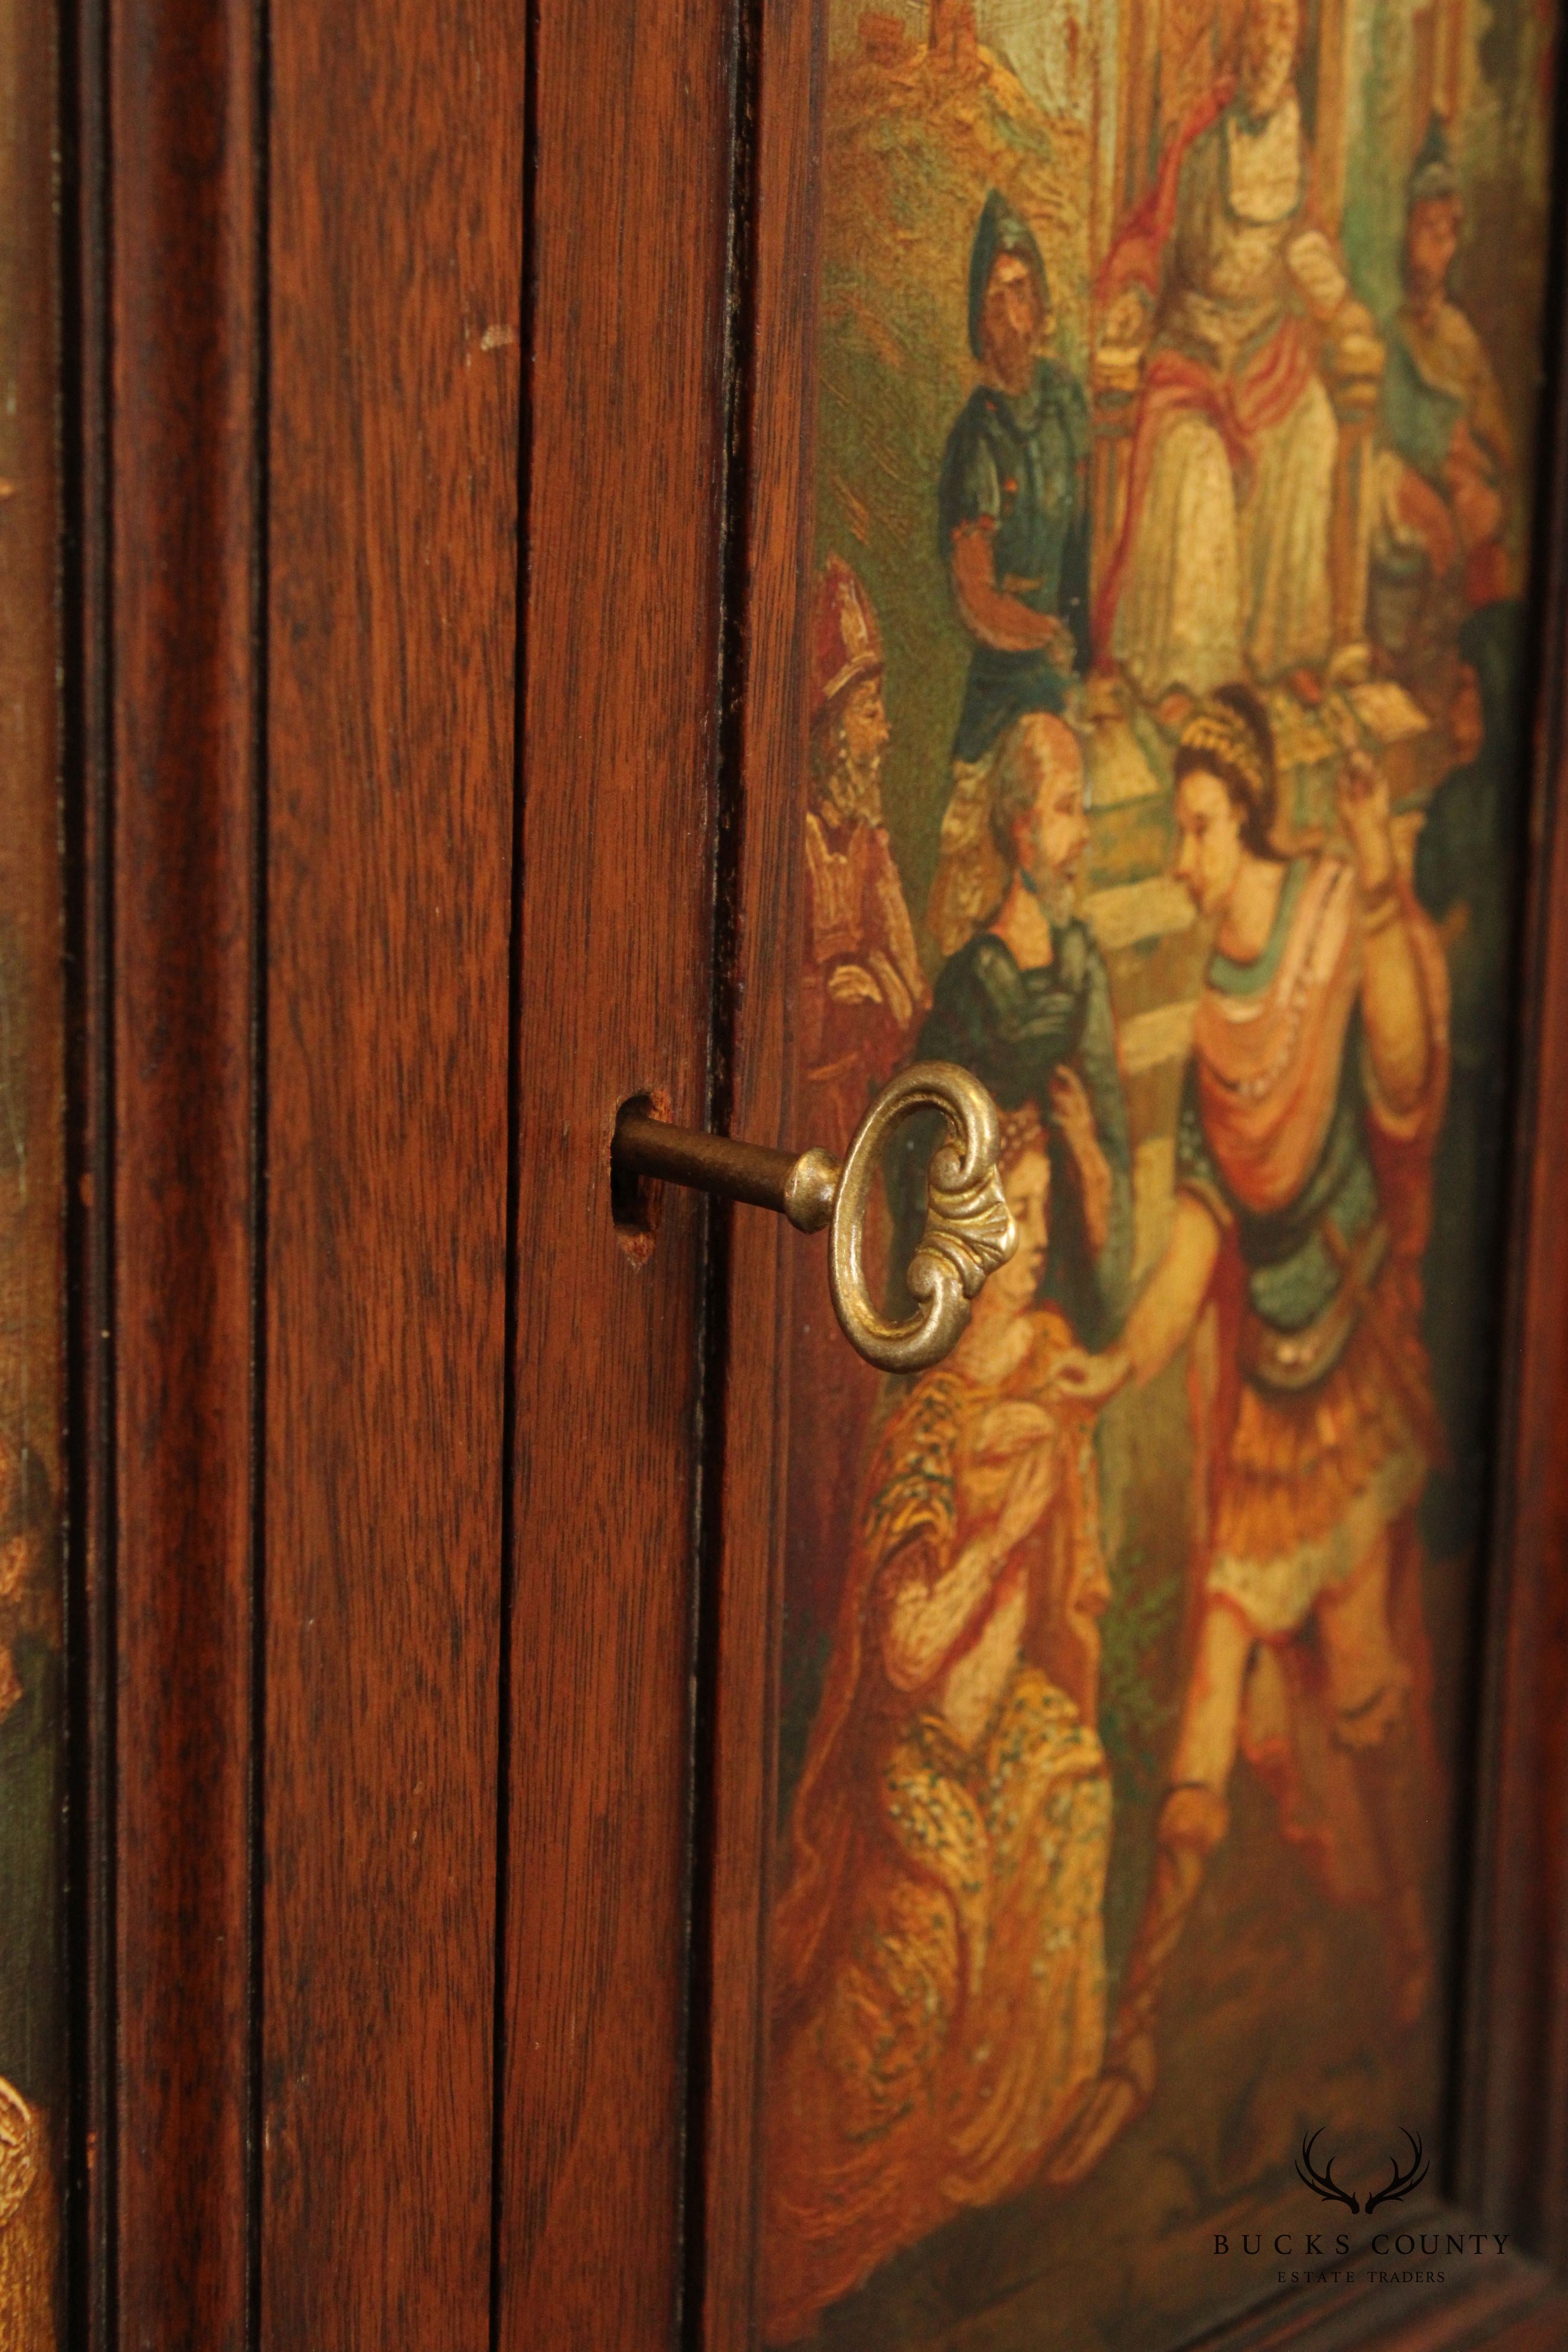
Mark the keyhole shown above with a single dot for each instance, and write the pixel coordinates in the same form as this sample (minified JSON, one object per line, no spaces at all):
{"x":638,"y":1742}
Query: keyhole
{"x":636,"y":1200}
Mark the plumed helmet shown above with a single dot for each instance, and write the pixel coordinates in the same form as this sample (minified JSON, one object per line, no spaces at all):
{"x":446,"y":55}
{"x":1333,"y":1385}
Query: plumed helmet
{"x":1001,"y":230}
{"x":845,"y":642}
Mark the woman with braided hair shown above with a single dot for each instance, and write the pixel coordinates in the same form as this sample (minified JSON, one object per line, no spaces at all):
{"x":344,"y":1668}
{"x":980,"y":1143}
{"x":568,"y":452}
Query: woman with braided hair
{"x":1312,"y":1104}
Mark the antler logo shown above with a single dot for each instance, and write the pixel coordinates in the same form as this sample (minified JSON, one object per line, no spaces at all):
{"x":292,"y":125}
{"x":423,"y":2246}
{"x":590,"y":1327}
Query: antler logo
{"x":1401,"y":2183}
{"x":1323,"y":2182}
{"x":1325,"y":2186}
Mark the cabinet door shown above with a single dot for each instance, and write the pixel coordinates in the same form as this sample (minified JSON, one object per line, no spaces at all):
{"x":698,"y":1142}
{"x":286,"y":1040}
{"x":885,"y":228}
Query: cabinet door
{"x":600,"y":547}
{"x":1114,"y":1925}
{"x":399,"y":462}
{"x":628,"y":674}
{"x":302,"y":270}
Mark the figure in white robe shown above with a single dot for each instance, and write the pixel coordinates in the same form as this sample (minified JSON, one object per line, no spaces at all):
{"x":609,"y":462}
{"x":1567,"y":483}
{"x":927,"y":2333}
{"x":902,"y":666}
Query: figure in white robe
{"x":1221,"y":279}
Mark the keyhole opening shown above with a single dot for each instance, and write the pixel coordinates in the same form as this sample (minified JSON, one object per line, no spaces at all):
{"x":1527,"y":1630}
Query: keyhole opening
{"x":636,"y":1200}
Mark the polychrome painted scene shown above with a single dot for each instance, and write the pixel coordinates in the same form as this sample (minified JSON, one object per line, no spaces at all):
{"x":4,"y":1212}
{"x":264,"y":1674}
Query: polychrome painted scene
{"x":1177,"y":380}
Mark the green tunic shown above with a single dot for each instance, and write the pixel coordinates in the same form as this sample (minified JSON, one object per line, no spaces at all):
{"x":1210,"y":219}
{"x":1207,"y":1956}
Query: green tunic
{"x":1292,"y":1273}
{"x":1017,"y":465}
{"x":1014,"y":1029}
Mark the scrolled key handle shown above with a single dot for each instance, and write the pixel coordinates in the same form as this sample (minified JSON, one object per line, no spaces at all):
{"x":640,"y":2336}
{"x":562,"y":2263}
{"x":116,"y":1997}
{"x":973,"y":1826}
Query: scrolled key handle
{"x":969,"y":1231}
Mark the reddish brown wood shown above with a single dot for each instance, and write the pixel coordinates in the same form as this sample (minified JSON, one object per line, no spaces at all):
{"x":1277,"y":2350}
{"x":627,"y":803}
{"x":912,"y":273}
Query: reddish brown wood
{"x":626,"y":539}
{"x":32,"y":1044}
{"x":740,"y":1766}
{"x":1514,"y":2077}
{"x":86,"y":775}
{"x":397,"y":172}
{"x":395,"y":176}
{"x":182,"y":439}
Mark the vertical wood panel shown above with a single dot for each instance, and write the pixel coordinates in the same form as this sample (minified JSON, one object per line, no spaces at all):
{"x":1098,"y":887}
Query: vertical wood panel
{"x":1512,"y":2137}
{"x":33,"y":2018}
{"x":626,"y":541}
{"x":396,"y":256}
{"x":86,"y":741}
{"x":781,"y":389}
{"x":182,"y":439}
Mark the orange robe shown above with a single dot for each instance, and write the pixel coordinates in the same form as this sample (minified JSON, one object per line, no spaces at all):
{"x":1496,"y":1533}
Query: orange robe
{"x":938,"y":1976}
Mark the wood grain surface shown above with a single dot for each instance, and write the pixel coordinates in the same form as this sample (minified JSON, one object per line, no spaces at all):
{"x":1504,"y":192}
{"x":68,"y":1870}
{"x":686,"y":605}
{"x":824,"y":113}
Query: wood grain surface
{"x":84,"y":413}
{"x":32,"y":1058}
{"x":183,"y":326}
{"x":778,"y":355}
{"x":369,"y":960}
{"x":626,"y":543}
{"x":394,"y":244}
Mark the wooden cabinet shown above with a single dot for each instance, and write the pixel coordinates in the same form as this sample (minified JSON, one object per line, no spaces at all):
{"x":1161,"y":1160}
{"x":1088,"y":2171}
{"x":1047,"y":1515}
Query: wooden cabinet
{"x":458,"y":409}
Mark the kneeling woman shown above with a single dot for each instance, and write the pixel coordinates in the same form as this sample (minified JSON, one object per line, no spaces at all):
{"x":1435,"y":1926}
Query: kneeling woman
{"x":938,"y":1965}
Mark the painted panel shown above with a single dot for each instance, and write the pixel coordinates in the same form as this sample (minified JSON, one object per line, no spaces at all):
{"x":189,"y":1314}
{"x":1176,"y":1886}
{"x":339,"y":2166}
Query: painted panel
{"x":1178,"y":381}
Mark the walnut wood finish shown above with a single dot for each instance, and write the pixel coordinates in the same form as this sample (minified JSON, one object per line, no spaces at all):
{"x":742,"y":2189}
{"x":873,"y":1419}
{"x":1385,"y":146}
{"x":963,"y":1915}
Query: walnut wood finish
{"x":626,"y":471}
{"x":744,"y":1588}
{"x":181,"y":294}
{"x":319,"y":392}
{"x":86,"y":732}
{"x":1513,"y":2075}
{"x":32,"y":1355}
{"x":395,"y":246}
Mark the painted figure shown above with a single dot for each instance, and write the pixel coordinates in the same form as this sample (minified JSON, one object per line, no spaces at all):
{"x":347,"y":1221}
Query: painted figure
{"x":1301,"y":315}
{"x":1223,"y":563}
{"x":1466,"y":869}
{"x":938,"y":1964}
{"x":1026,"y":1004}
{"x":1312,"y":1102}
{"x":1448,"y":452}
{"x":862,"y":994}
{"x":862,"y":984}
{"x":1012,"y":512}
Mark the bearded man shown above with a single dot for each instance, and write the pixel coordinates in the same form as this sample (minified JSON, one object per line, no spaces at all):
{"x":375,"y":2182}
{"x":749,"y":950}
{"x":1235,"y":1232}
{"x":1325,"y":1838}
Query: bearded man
{"x":862,"y":984}
{"x":1026,"y":1004}
{"x":862,"y":995}
{"x":1222,"y":567}
{"x":1013,"y":521}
